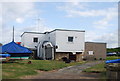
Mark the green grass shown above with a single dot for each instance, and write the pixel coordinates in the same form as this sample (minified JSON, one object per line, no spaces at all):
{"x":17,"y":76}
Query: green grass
{"x":21,"y":68}
{"x":112,"y":57}
{"x":99,"y":68}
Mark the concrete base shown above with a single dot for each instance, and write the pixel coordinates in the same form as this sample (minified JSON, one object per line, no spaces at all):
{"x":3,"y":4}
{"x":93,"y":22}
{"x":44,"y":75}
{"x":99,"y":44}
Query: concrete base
{"x":60,"y":55}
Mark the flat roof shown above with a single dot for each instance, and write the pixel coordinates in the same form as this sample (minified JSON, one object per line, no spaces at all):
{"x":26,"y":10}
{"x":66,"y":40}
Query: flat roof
{"x":53,"y":31}
{"x":32,"y":33}
{"x":97,"y":42}
{"x":67,"y":30}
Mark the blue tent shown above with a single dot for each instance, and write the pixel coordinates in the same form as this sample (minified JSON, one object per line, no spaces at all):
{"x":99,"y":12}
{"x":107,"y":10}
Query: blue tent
{"x":12,"y":47}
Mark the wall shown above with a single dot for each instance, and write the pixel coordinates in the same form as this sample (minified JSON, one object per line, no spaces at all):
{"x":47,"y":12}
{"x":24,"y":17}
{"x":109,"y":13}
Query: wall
{"x":57,"y":38}
{"x":64,"y":46}
{"x":99,"y":50}
{"x":52,"y":37}
{"x":27,"y":40}
{"x":79,"y":57}
{"x":59,"y":56}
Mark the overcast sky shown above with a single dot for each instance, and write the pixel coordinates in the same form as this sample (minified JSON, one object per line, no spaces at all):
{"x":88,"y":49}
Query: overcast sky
{"x":98,"y":19}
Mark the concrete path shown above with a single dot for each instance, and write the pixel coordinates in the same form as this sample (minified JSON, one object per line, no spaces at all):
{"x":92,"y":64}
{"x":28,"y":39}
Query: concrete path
{"x":72,"y":72}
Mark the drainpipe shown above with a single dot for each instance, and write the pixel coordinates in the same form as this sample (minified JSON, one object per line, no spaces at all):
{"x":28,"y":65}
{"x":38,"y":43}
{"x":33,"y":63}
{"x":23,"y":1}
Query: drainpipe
{"x":44,"y":53}
{"x":38,"y":49}
{"x":52,"y":53}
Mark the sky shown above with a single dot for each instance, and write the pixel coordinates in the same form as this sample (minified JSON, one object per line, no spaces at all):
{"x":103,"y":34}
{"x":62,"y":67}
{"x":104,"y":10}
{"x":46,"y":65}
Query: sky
{"x":98,"y":19}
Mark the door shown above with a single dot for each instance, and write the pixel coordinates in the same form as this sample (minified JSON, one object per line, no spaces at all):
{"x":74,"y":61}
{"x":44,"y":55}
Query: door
{"x":48,"y":53}
{"x":72,"y":57}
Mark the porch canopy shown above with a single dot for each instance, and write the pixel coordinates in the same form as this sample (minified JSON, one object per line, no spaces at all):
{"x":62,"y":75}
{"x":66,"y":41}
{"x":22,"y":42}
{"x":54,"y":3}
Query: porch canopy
{"x":12,"y":47}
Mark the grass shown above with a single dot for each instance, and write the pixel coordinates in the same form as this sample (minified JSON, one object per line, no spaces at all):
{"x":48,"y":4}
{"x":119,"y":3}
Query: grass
{"x":99,"y":68}
{"x":112,"y":57}
{"x":21,"y":68}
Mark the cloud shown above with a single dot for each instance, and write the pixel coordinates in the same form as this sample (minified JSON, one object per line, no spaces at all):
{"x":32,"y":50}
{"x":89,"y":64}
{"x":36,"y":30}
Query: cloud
{"x":91,"y":36}
{"x":77,"y":9}
{"x":72,"y":8}
{"x":119,"y":37}
{"x":105,"y":17}
{"x":111,"y":13}
{"x":0,"y":22}
{"x":59,"y":0}
{"x":19,"y":20}
{"x":12,"y":11}
{"x":18,"y":14}
{"x":7,"y":36}
{"x":110,"y":38}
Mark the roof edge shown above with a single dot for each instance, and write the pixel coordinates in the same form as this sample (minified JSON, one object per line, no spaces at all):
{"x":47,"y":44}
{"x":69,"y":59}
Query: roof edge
{"x":54,"y":30}
{"x":67,"y":30}
{"x":32,"y":33}
{"x":97,"y":42}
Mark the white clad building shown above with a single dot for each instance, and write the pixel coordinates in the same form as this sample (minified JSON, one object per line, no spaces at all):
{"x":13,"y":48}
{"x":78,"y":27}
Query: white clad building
{"x":56,"y":44}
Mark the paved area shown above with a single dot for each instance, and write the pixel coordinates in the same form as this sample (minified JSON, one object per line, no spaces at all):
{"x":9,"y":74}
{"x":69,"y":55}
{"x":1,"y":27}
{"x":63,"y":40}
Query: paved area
{"x":72,"y":72}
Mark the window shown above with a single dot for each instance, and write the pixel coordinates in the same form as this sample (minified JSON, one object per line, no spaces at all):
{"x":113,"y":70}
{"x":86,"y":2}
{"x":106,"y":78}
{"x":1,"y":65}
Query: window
{"x":35,"y":39}
{"x":90,"y":52}
{"x":70,"y":39}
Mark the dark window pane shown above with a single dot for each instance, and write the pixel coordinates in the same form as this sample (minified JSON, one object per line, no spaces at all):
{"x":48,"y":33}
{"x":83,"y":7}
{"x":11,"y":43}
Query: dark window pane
{"x":35,"y":39}
{"x":70,"y":39}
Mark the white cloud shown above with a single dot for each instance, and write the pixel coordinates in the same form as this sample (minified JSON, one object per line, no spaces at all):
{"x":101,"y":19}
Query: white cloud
{"x":19,"y":13}
{"x":12,"y":11}
{"x":19,"y":20}
{"x":105,"y":15}
{"x":72,"y":8}
{"x":119,"y":36}
{"x":77,"y":9}
{"x":104,"y":23}
{"x":0,"y":22}
{"x":110,"y":38}
{"x":91,"y":36}
{"x":59,"y":0}
{"x":82,"y":10}
{"x":7,"y":36}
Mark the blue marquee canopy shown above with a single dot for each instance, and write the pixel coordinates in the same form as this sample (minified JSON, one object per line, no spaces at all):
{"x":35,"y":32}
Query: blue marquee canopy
{"x":12,"y":47}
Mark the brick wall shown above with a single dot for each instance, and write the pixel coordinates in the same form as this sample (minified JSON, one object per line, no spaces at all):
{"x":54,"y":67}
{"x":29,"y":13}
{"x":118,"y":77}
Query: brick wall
{"x":59,"y":56}
{"x":99,"y":50}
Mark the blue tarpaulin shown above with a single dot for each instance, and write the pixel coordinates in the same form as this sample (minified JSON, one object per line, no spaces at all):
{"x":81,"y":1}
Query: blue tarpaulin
{"x":113,"y":61}
{"x":4,"y":55}
{"x":12,"y":47}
